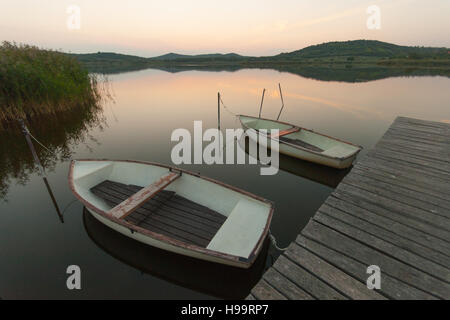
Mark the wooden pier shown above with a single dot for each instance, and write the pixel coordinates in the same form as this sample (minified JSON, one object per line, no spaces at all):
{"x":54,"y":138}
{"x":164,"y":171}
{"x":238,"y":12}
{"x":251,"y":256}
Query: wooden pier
{"x":392,"y":210}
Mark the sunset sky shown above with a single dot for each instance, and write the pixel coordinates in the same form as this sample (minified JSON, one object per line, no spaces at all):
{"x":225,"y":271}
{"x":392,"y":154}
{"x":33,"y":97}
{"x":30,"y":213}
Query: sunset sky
{"x":247,"y":27}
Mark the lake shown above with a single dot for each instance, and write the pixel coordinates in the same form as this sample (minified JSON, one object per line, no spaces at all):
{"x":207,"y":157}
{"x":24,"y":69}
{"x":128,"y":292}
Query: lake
{"x":36,"y":248}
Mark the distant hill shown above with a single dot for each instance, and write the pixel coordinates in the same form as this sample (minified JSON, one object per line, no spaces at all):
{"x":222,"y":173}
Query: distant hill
{"x":365,"y":48}
{"x":176,"y":56}
{"x":331,"y":54}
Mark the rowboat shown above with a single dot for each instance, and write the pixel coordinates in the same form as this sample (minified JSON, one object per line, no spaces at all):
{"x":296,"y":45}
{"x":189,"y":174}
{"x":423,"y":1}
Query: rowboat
{"x":301,"y":143}
{"x":174,"y":209}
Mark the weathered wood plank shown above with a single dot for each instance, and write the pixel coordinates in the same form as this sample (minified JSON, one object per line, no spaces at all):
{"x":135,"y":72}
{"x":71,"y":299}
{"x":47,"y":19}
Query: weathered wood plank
{"x":390,"y":287}
{"x":399,"y":168}
{"x":405,"y":195}
{"x":264,"y":291}
{"x":401,"y":250}
{"x":330,"y":274}
{"x":404,"y":182}
{"x":440,"y":157}
{"x":128,"y":206}
{"x":370,"y":256}
{"x":306,"y":281}
{"x":408,"y":158}
{"x":378,"y":208}
{"x":401,"y":208}
{"x":414,"y":122}
{"x":284,"y":285}
{"x":438,"y":248}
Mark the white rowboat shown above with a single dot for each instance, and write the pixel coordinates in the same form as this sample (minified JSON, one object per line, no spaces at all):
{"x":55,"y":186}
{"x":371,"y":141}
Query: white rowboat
{"x":303,"y":143}
{"x":173,"y":209}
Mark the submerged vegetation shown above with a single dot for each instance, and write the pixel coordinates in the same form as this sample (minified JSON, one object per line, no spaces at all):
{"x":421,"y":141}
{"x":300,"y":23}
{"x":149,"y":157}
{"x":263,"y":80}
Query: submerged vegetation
{"x":37,"y":82}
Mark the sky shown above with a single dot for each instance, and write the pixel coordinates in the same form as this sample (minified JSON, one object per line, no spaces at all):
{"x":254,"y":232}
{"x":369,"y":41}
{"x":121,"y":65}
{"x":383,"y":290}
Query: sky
{"x":248,"y":27}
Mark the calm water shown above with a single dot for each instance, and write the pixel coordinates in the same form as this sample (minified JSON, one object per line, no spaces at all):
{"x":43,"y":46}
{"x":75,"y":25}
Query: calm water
{"x":36,"y":247}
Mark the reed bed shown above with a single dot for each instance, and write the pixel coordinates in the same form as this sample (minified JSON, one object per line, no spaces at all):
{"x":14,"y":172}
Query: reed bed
{"x":37,"y":82}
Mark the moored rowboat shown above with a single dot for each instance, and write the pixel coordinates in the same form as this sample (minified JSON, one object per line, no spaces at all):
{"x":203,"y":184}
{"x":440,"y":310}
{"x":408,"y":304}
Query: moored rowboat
{"x":302,"y":143}
{"x":173,"y":209}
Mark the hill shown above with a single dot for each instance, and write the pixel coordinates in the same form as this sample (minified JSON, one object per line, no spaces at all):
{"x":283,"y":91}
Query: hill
{"x":365,"y":48}
{"x":331,"y":54}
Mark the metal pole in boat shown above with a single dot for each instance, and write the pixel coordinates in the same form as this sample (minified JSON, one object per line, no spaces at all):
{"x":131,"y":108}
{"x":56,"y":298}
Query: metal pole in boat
{"x":30,"y":145}
{"x":262,"y":100}
{"x":282,"y":101}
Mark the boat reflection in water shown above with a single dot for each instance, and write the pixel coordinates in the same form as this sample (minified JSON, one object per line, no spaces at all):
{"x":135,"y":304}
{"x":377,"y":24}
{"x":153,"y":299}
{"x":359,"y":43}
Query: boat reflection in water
{"x":324,"y":175}
{"x":327,"y":176}
{"x":211,"y":278}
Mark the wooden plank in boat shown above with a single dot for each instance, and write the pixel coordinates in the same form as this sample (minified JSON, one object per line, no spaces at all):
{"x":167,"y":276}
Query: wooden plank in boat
{"x":204,"y":215}
{"x":190,"y":207}
{"x":285,"y":132}
{"x":301,"y":143}
{"x":160,"y":225}
{"x":132,"y":203}
{"x":155,"y":214}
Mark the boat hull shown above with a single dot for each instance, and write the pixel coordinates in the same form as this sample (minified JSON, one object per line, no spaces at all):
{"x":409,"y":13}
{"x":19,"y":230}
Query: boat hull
{"x":162,"y":244}
{"x":299,"y":152}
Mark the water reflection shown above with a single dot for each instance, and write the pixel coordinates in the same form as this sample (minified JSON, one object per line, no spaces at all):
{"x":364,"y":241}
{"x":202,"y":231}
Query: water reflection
{"x":338,"y":72}
{"x":55,"y":203}
{"x":59,"y":132}
{"x":324,"y":175}
{"x":207,"y":277}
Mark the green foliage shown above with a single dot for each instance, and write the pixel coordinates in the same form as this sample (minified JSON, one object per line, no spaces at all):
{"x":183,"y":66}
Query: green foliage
{"x":366,"y":48}
{"x":35,"y":82}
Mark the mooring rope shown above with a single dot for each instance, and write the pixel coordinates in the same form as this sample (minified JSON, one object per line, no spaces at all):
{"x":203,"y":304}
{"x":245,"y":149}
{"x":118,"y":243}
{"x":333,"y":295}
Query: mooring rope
{"x":274,"y":242}
{"x":29,"y":133}
{"x":227,"y":109}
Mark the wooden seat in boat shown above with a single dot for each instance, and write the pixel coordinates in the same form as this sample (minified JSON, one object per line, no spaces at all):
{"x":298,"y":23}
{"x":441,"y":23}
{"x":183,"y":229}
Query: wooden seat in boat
{"x":285,"y":132}
{"x":130,"y":204}
{"x":165,"y":213}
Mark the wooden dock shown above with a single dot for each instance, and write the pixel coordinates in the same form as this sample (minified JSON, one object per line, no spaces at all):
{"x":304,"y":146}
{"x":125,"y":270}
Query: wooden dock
{"x":392,"y":210}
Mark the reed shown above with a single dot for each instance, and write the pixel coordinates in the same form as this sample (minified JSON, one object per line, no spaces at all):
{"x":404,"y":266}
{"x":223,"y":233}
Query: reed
{"x":36,"y":82}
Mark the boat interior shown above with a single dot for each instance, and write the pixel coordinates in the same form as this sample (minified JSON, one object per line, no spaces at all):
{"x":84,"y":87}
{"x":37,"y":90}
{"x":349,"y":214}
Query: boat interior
{"x":303,"y":138}
{"x":183,"y":207}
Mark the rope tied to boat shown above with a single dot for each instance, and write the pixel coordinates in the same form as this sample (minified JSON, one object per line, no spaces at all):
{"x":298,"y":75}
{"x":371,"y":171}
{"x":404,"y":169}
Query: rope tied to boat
{"x":274,"y":242}
{"x":226,"y":108}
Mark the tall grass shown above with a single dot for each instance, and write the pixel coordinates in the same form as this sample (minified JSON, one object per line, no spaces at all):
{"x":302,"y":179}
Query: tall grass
{"x":37,"y":82}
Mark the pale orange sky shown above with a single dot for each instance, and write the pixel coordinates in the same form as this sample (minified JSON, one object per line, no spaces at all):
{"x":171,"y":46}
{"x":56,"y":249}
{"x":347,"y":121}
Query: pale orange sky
{"x":150,"y":28}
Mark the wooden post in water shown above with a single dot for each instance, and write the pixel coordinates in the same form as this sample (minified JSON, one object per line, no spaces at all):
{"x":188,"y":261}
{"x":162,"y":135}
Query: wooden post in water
{"x":30,"y":145}
{"x":262,"y":100}
{"x":41,"y":168}
{"x":282,"y":101}
{"x":218,"y":110}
